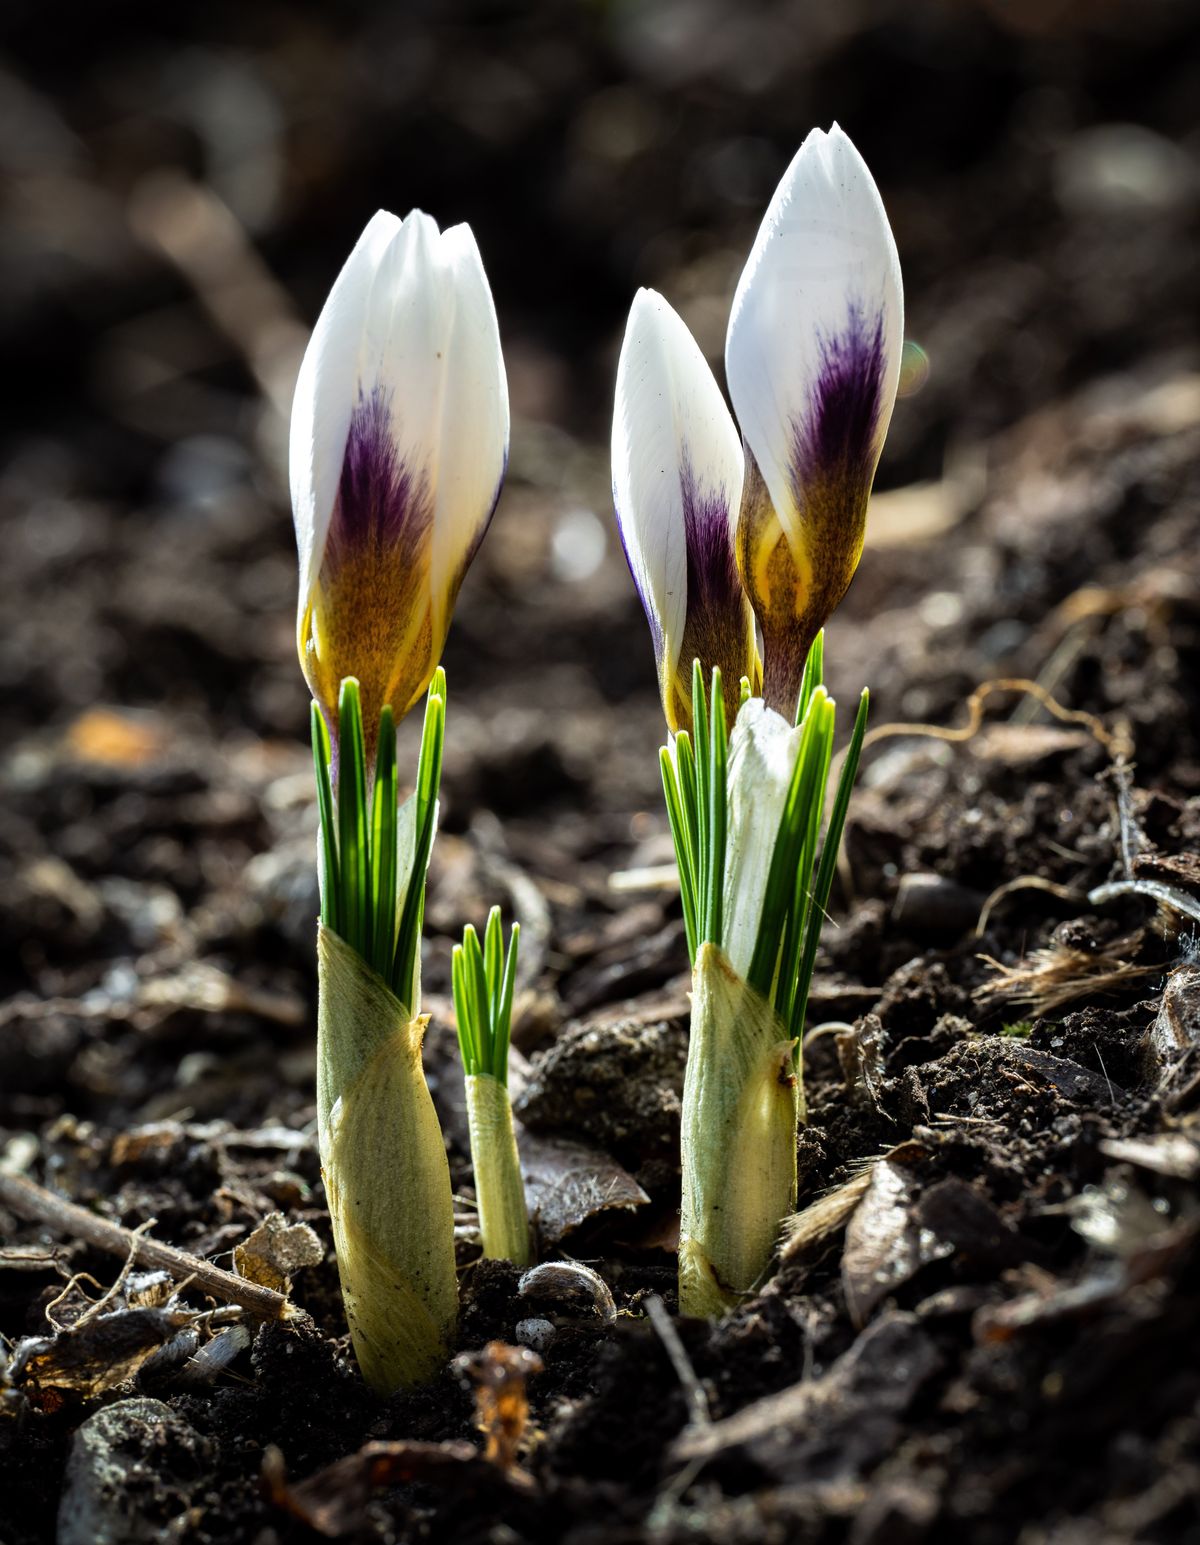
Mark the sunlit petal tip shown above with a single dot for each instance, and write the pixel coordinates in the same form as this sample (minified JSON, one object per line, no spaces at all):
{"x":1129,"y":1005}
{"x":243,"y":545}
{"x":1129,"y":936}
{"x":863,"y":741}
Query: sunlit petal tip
{"x":677,"y":481}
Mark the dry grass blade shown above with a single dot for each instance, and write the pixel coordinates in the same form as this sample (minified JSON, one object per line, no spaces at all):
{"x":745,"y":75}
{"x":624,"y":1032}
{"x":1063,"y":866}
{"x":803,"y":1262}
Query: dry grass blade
{"x":1049,"y":978}
{"x":827,"y":1214}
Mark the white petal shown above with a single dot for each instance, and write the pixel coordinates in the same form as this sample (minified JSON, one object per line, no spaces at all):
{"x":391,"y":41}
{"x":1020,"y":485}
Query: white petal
{"x":473,"y":432}
{"x":762,"y":756}
{"x":669,"y":414}
{"x":823,"y":254}
{"x":326,"y":392}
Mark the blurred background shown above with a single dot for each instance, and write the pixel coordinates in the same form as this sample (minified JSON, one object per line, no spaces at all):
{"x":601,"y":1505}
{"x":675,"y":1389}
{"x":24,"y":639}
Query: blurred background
{"x":180,"y":187}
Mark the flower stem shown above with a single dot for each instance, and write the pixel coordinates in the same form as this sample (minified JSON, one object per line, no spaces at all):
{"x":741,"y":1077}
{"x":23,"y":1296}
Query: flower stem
{"x":499,"y":1189}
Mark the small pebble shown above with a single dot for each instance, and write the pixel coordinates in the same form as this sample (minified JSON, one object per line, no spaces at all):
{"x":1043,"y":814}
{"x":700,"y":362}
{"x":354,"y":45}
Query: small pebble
{"x":535,"y":1334}
{"x":132,"y":1470}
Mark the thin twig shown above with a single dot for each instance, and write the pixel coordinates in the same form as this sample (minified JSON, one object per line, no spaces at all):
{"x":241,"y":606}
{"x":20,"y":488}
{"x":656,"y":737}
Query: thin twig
{"x":1113,"y":744}
{"x":34,"y":1202}
{"x":697,"y":1401}
{"x":1107,"y":1080}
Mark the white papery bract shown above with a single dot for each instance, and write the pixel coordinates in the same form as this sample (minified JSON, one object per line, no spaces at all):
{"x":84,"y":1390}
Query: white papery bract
{"x":812,"y":358}
{"x":399,"y":441}
{"x":677,"y":487}
{"x":762,"y":756}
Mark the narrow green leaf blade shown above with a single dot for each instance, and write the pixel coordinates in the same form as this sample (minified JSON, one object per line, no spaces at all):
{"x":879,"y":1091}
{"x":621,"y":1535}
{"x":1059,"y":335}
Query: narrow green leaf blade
{"x":353,"y":839}
{"x":429,"y":775}
{"x":331,"y":878}
{"x":717,"y":813}
{"x":383,"y":848}
{"x":827,"y":866}
{"x":784,"y":858}
{"x":481,"y":997}
{"x":493,"y":960}
{"x":468,"y":1044}
{"x":503,"y":1020}
{"x":683,"y":854}
{"x":814,"y":675}
{"x":703,"y":797}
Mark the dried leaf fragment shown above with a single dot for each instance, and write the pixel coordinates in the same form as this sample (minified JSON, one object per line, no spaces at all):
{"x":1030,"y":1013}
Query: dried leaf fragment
{"x":94,"y":1356}
{"x":1165,"y":1153}
{"x":276,"y":1251}
{"x":904,"y":1223}
{"x":332,"y":1501}
{"x":568,"y":1183}
{"x":498,"y":1376}
{"x":1176,"y":1026}
{"x":884,"y":1244}
{"x":115,"y":737}
{"x":814,"y":1430}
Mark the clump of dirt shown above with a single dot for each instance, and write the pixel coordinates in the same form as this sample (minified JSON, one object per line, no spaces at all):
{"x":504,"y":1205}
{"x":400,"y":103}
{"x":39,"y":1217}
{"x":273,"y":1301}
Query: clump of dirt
{"x":619,"y":1083}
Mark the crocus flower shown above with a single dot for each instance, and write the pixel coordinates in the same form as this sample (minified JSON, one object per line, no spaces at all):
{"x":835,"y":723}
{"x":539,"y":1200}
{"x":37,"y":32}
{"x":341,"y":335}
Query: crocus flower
{"x":677,"y":486}
{"x":812,"y":359}
{"x":399,"y":442}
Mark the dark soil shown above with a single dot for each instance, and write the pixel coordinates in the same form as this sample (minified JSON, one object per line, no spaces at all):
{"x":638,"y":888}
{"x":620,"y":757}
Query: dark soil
{"x":998,"y":1345}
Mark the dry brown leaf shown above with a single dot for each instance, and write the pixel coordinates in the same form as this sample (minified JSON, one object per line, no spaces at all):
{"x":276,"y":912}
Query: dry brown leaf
{"x":884,"y":1243}
{"x":116,"y":737}
{"x":97,"y":1355}
{"x":567,"y":1183}
{"x":1176,"y":1026}
{"x":332,"y":1501}
{"x":276,"y":1251}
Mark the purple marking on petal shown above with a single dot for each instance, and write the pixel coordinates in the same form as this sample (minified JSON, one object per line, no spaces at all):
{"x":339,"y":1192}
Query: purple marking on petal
{"x":713,"y":586}
{"x":836,"y":438}
{"x":651,"y":615}
{"x":469,"y":556}
{"x":380,"y":501}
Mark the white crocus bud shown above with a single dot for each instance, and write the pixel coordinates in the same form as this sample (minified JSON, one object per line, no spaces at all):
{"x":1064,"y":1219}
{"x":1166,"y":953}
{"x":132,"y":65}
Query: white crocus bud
{"x":813,"y":360}
{"x":677,"y":486}
{"x":399,"y":442}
